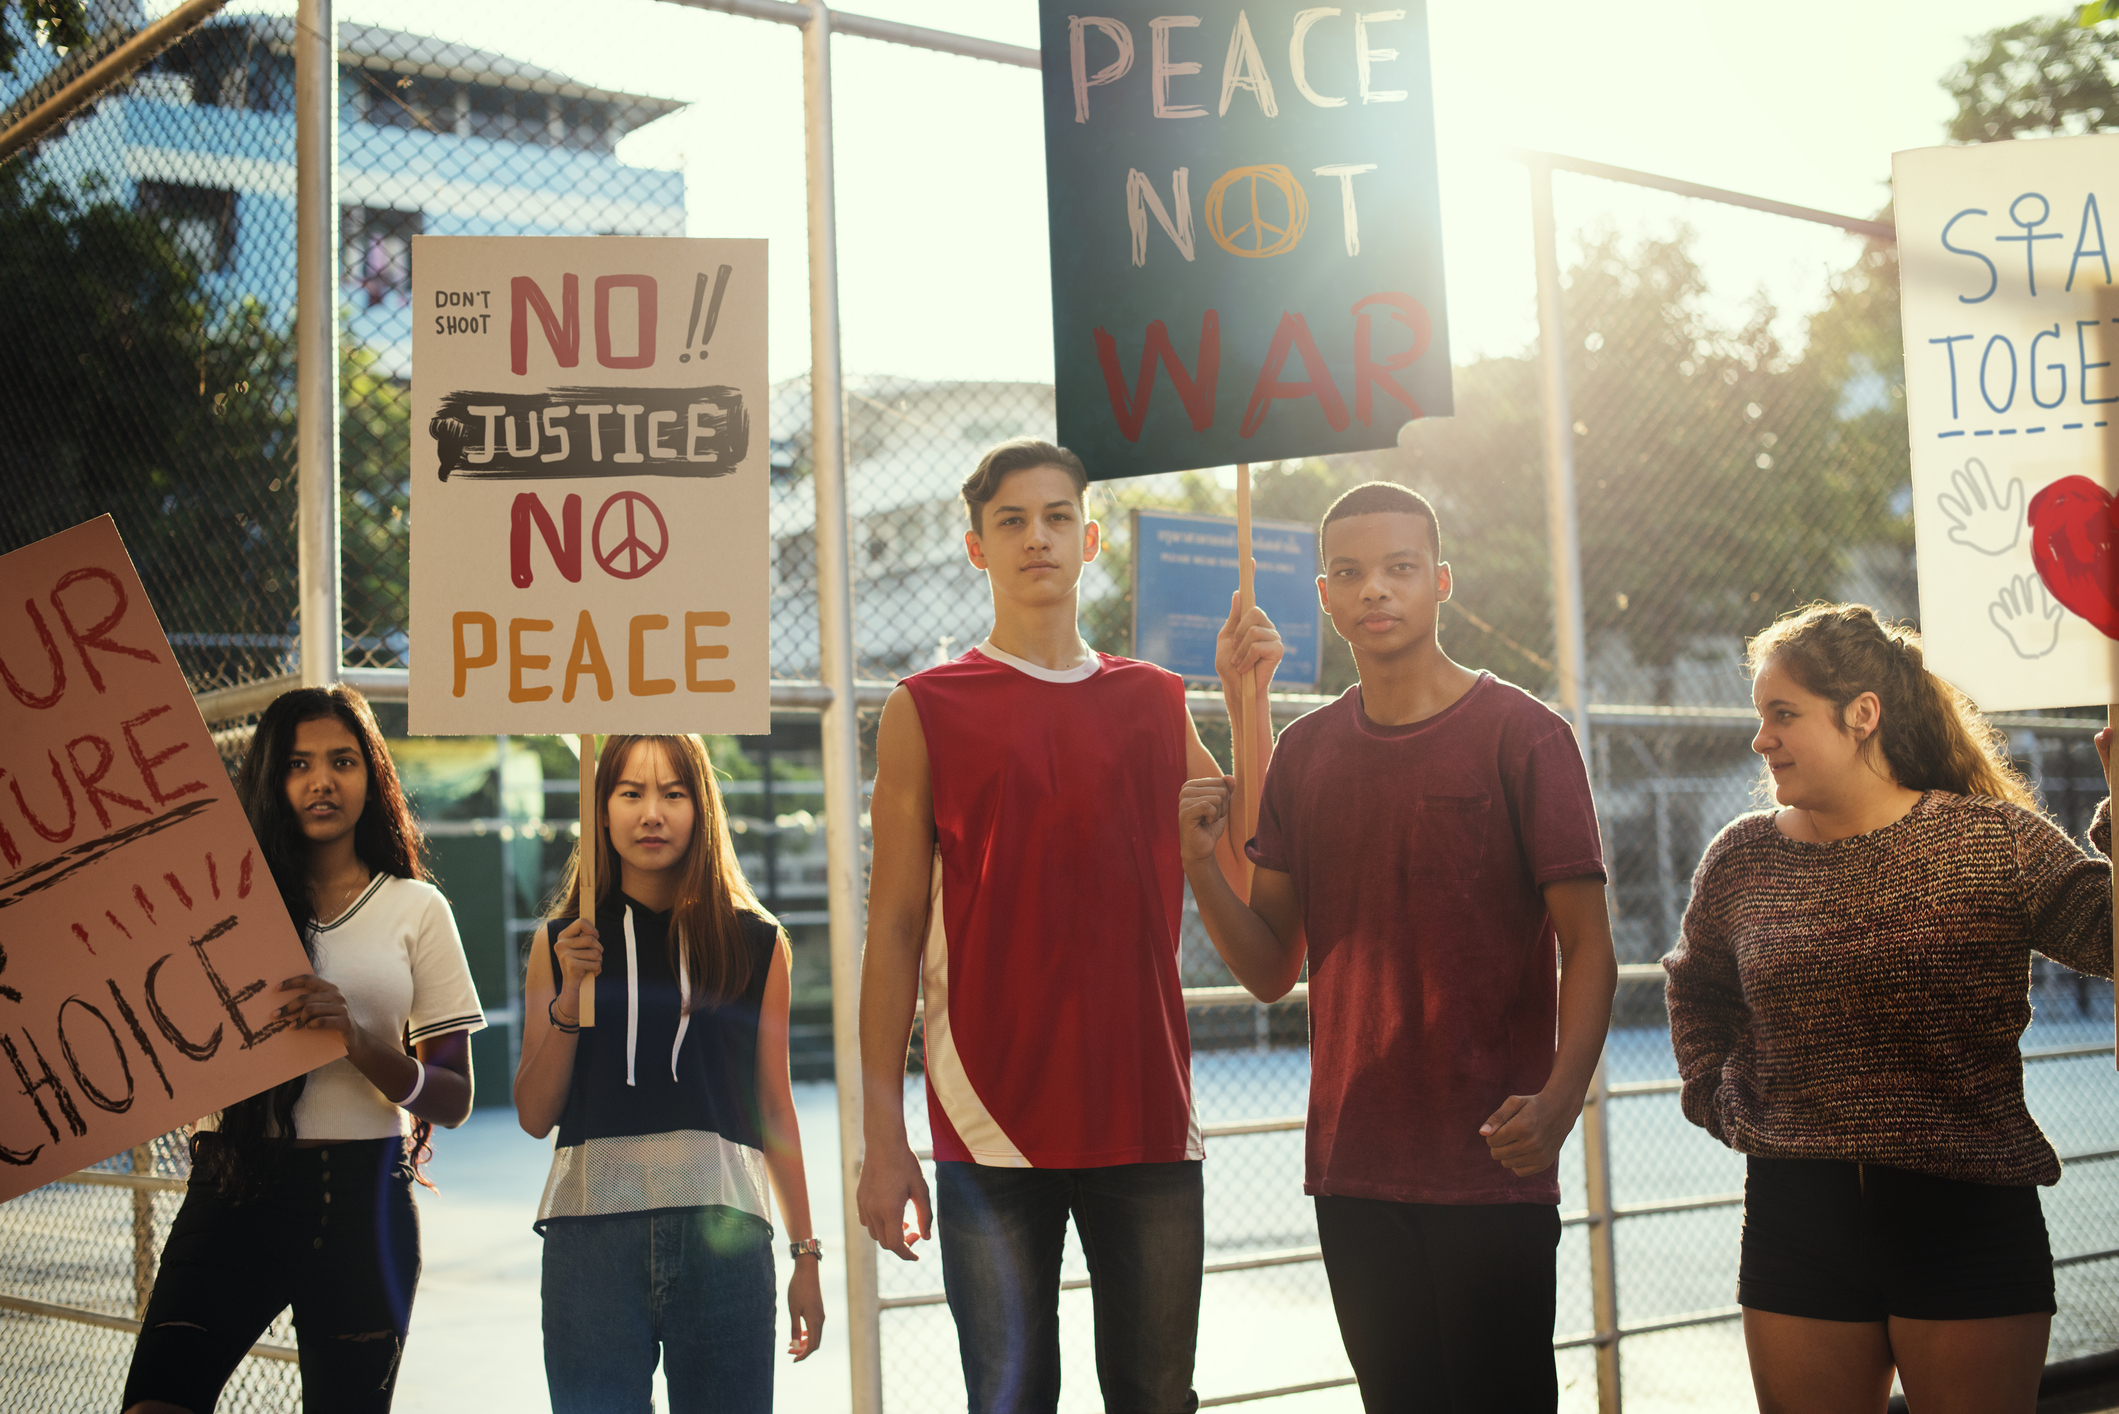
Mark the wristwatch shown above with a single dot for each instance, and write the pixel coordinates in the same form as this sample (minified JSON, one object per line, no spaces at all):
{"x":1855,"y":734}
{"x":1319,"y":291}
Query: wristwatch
{"x":808,"y":1247}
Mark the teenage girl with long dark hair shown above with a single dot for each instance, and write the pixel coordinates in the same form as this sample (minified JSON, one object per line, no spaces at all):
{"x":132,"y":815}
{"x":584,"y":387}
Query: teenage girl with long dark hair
{"x":1846,"y":1003}
{"x":674,"y":1110}
{"x":302,"y":1195}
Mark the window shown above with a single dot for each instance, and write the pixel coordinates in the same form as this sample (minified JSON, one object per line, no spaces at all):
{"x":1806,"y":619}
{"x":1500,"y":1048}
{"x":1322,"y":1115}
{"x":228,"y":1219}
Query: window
{"x":227,"y":66}
{"x":375,"y":255}
{"x":200,"y":221}
{"x":584,"y":124}
{"x":509,"y":114}
{"x":410,"y":101}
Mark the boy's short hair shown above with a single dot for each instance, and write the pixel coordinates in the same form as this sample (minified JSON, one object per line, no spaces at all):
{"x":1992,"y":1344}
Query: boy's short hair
{"x":1018,"y":454}
{"x":1381,"y":498}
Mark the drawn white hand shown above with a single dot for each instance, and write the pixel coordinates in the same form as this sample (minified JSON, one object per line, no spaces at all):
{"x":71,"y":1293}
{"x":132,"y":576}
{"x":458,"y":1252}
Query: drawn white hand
{"x":2025,"y":613}
{"x":1980,"y":518}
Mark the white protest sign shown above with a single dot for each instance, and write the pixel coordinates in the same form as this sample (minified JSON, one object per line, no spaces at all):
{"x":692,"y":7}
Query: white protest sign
{"x":2012,"y":403}
{"x":589,"y":498}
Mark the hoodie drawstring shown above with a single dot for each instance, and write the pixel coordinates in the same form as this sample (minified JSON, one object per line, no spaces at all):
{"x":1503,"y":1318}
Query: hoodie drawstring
{"x":632,"y":995}
{"x":684,"y":1007}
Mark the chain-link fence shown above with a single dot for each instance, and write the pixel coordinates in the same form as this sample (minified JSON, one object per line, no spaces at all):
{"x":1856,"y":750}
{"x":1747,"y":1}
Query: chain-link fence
{"x":1736,"y":407}
{"x":89,"y":1247}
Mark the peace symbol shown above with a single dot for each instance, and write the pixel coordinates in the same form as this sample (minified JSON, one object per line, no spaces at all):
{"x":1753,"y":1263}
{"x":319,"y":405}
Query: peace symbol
{"x":632,"y":556}
{"x":1284,"y":238}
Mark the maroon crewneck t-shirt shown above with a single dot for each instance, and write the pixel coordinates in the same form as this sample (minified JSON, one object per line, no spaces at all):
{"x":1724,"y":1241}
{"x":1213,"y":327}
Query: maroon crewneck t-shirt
{"x":1419,"y":853}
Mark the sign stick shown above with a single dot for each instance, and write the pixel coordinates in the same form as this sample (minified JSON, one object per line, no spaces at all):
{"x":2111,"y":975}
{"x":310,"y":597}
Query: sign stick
{"x":1246,"y":752}
{"x":588,"y":852}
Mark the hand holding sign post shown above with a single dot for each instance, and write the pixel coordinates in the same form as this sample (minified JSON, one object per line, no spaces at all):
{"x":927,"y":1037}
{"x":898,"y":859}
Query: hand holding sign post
{"x":144,"y":938}
{"x":589,"y":502}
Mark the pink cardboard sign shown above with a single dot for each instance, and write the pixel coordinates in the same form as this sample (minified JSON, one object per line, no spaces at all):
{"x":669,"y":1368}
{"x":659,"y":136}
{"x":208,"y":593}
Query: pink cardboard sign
{"x":142,"y":942}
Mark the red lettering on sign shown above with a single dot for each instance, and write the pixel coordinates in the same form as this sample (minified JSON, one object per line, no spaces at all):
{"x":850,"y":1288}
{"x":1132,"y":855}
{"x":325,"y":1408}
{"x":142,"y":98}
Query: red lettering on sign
{"x":1293,"y":334}
{"x":643,"y":287}
{"x":1369,"y":374}
{"x":1197,"y":394}
{"x":562,"y":331}
{"x":565,"y":548}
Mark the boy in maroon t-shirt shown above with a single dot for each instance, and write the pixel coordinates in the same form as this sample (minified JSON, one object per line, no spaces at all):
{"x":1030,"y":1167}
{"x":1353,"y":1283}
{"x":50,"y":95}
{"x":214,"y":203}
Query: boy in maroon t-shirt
{"x":1425,"y":842}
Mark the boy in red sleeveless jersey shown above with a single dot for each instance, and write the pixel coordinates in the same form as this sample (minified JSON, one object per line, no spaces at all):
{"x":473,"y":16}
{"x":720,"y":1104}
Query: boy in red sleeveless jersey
{"x":1026,"y":874}
{"x":1425,"y":841}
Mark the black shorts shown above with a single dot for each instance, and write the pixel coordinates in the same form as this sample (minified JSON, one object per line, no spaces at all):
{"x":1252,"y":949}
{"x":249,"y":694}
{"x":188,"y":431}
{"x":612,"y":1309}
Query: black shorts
{"x":1858,"y":1242}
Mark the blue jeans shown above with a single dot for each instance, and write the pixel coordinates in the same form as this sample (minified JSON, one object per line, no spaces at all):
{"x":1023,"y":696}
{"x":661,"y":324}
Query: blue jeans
{"x":693,"y":1288}
{"x":1002,"y":1232}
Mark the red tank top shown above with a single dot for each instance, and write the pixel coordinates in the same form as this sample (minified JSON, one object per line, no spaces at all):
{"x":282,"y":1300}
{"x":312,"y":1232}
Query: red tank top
{"x":1055,"y":1017}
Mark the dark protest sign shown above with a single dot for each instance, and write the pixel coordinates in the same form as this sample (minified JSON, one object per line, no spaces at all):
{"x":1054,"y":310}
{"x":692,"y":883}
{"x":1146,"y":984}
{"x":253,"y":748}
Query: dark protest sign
{"x":141,"y":938}
{"x":1246,"y":238}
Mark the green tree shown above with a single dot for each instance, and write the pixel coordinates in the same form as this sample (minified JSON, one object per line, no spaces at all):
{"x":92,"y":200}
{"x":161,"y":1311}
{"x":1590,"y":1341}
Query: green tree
{"x":62,"y":24}
{"x":375,"y":523}
{"x":130,"y":394}
{"x":1721,"y":479}
{"x":2043,"y":77}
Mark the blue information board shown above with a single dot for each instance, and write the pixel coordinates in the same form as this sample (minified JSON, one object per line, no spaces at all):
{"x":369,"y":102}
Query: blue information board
{"x":1184,"y":570}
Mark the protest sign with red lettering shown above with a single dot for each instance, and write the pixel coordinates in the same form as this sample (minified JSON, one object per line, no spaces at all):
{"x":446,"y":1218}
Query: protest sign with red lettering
{"x":142,"y":942}
{"x":1246,"y":232}
{"x":589,"y":498}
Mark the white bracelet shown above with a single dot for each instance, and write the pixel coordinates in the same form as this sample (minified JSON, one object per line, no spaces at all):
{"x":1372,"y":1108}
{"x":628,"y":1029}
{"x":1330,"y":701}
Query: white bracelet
{"x":417,"y":1086}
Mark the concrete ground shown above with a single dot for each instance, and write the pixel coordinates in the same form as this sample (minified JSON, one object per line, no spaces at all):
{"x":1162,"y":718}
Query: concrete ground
{"x":477,"y":1343}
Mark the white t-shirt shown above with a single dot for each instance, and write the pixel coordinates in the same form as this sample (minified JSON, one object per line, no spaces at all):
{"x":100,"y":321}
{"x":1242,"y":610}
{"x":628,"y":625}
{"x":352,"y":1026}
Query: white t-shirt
{"x":397,"y":957}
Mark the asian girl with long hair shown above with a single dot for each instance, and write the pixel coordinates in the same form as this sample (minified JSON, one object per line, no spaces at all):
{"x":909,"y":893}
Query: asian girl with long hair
{"x":302,"y":1196}
{"x":675,"y":1112}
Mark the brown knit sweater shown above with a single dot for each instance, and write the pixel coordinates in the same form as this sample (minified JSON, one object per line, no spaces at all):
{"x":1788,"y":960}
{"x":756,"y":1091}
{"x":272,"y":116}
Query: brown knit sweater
{"x":1863,"y":1000}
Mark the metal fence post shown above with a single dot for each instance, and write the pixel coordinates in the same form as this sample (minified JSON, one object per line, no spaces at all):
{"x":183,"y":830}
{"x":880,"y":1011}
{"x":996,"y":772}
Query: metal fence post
{"x":841,"y":716}
{"x":143,"y":1233}
{"x":1571,"y":641}
{"x":316,"y":337}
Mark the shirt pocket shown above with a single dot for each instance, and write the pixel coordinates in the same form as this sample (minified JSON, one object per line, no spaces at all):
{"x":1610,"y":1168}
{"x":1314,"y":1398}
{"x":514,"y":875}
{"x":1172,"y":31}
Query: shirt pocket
{"x":1449,"y":836}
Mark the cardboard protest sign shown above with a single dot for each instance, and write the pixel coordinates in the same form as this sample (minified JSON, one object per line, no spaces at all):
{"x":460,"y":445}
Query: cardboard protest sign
{"x":2012,"y":385}
{"x":1246,"y":238}
{"x":1181,"y":568}
{"x":589,"y":498}
{"x":142,"y":941}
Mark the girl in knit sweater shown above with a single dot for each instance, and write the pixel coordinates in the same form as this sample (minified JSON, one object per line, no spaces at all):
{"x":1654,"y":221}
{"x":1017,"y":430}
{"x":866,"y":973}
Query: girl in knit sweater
{"x":1845,"y":1004}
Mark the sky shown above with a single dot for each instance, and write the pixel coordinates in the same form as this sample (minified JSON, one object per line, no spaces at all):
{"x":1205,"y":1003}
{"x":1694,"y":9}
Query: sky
{"x":942,"y":222}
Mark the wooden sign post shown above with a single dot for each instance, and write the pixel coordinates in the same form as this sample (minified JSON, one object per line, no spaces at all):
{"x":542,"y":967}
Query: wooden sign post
{"x":1245,"y":745}
{"x":589,"y":850}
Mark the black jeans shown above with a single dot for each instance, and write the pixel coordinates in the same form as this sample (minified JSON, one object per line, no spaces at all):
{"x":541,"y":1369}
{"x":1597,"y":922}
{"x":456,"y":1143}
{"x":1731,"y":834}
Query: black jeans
{"x":1444,"y":1309}
{"x":1002,"y":1232}
{"x":337,"y":1238}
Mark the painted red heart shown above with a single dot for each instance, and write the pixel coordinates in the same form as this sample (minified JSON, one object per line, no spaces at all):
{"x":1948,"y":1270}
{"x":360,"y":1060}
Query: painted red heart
{"x":2075,"y":545}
